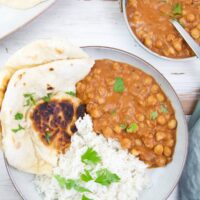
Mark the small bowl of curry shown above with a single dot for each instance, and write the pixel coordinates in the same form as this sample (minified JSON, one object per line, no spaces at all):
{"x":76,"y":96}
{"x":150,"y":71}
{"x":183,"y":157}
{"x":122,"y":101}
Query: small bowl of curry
{"x":149,"y":24}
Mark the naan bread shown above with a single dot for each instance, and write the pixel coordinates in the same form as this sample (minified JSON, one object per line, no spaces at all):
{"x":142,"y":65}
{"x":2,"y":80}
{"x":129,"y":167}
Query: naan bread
{"x":24,"y":140}
{"x":20,"y":4}
{"x":34,"y":54}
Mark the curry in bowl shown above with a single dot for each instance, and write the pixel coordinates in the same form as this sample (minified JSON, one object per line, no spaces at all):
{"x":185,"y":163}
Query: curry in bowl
{"x":127,"y":104}
{"x":149,"y":20}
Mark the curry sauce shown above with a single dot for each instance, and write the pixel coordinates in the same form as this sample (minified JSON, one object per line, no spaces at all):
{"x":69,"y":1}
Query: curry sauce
{"x":128,"y":105}
{"x":149,"y":20}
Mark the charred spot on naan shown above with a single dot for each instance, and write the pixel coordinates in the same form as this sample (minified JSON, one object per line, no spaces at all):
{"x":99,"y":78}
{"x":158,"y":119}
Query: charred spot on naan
{"x":54,"y":121}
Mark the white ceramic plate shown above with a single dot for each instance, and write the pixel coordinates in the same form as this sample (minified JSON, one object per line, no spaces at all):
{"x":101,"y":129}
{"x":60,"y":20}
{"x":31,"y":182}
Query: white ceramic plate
{"x":163,"y":179}
{"x":13,"y":19}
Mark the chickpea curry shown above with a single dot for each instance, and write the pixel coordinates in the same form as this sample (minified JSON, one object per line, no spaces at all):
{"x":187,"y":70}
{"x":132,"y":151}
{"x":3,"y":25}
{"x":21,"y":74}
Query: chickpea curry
{"x":149,"y":20}
{"x":128,"y":105}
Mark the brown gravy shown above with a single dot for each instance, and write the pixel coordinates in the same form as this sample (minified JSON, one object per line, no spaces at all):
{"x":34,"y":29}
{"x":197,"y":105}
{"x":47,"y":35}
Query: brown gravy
{"x":149,"y":20}
{"x":127,"y":104}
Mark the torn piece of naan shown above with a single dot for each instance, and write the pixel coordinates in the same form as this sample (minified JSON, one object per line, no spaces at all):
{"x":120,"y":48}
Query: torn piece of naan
{"x":34,"y":54}
{"x":39,"y":111}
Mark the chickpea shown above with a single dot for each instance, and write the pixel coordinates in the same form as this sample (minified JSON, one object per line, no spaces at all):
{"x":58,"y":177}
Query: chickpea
{"x":151,"y":100}
{"x":110,"y":82}
{"x":108,"y":132}
{"x":80,"y":87}
{"x":170,"y":37}
{"x":95,"y":113}
{"x":117,"y":129}
{"x":100,"y":100}
{"x":158,"y":149}
{"x":198,"y":26}
{"x":172,"y":124}
{"x":171,"y":51}
{"x":182,"y":21}
{"x":190,"y":17}
{"x":148,"y":42}
{"x":126,"y":143}
{"x":135,"y":152}
{"x":167,"y":151}
{"x":160,"y":136}
{"x":195,"y":33}
{"x":161,"y":161}
{"x":138,"y":142}
{"x":160,"y":97}
{"x":161,"y":120}
{"x":170,"y":143}
{"x":90,"y":95}
{"x":148,"y":81}
{"x":116,"y":66}
{"x":140,"y":117}
{"x":88,"y":78}
{"x":158,"y":44}
{"x":154,"y":88}
{"x":97,"y":71}
{"x":177,"y":44}
{"x":148,"y":142}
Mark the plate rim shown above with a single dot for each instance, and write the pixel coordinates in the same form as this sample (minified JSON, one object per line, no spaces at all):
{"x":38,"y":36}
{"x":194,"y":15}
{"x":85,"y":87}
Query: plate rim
{"x":169,"y":84}
{"x":28,"y":21}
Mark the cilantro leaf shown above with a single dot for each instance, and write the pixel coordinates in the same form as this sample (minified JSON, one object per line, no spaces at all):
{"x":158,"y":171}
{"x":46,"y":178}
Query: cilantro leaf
{"x":48,"y":137}
{"x":79,"y":188}
{"x":29,"y":98}
{"x":119,"y":85}
{"x":61,"y":180}
{"x":123,"y":126}
{"x":113,"y":112}
{"x":132,"y":128}
{"x":90,"y":157}
{"x":163,"y":109}
{"x":18,"y":116}
{"x":19,"y":128}
{"x":47,"y":98}
{"x":71,"y":93}
{"x":86,"y":176}
{"x":177,"y":9}
{"x":85,"y":198}
{"x":70,"y":184}
{"x":105,"y":177}
{"x":154,"y":115}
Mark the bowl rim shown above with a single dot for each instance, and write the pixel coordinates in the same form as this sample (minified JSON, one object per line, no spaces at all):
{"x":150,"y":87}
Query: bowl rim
{"x":184,"y":120}
{"x":123,"y":4}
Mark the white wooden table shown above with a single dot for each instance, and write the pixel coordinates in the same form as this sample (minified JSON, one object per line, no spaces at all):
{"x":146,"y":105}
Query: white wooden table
{"x":96,"y":22}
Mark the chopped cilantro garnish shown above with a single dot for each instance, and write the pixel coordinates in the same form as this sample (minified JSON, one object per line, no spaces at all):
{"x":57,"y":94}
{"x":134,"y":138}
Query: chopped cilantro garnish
{"x":18,"y":116}
{"x":70,"y":184}
{"x":132,"y":128}
{"x":105,"y":177}
{"x":19,"y":128}
{"x":177,"y":9}
{"x":163,"y":109}
{"x":90,"y":157}
{"x":123,"y":126}
{"x":47,"y":98}
{"x":154,"y":115}
{"x":113,"y":112}
{"x":29,"y":98}
{"x":48,"y":137}
{"x":119,"y":85}
{"x":86,"y":176}
{"x":71,"y":93}
{"x":85,"y":198}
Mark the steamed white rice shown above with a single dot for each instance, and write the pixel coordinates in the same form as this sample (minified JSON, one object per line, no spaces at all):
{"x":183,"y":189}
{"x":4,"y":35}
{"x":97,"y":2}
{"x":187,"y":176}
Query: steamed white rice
{"x":131,"y":171}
